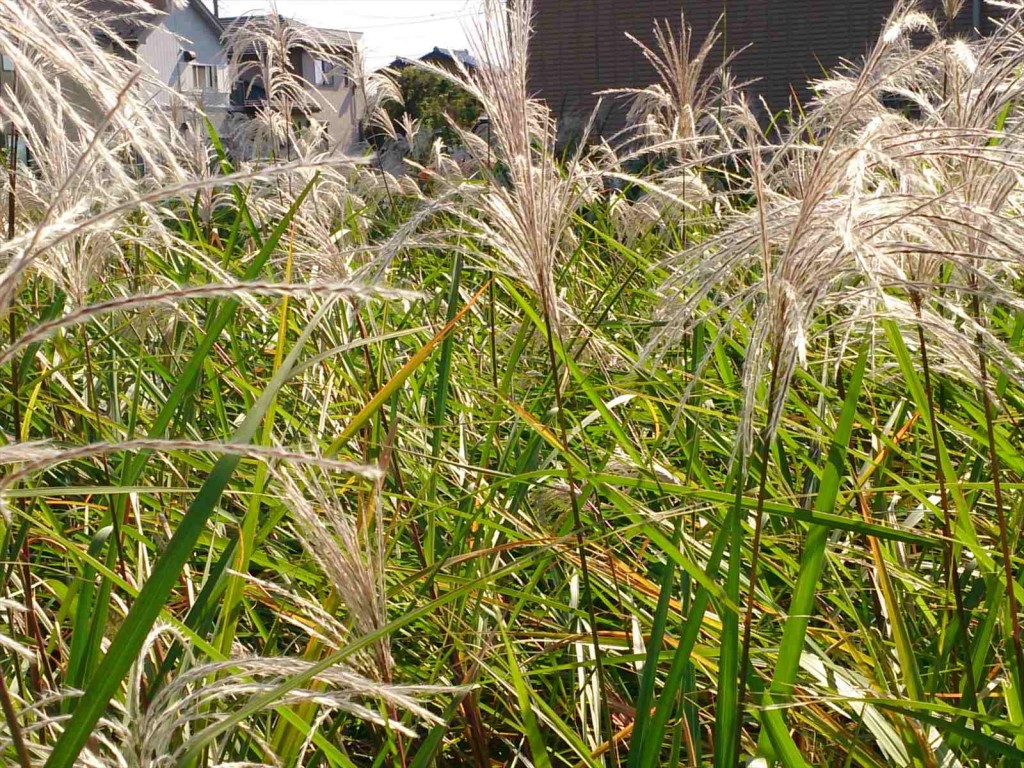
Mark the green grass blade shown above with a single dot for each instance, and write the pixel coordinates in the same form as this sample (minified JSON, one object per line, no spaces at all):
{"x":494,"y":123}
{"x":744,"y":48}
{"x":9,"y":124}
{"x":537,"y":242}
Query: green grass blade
{"x":384,"y":394}
{"x":727,"y":725}
{"x":811,"y":562}
{"x":538,"y":749}
{"x":124,"y":648}
{"x":648,"y":680}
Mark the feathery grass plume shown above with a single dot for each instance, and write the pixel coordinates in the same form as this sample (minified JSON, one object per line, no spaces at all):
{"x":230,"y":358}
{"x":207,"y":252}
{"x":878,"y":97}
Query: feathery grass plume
{"x":633,"y":219}
{"x":522,"y":216}
{"x":793,"y":275}
{"x":260,"y":54}
{"x":84,"y":111}
{"x":163,"y":201}
{"x":957,"y":257}
{"x":327,"y":236}
{"x":933,"y":198}
{"x":377,"y":89}
{"x":306,"y":613}
{"x":855,"y":209}
{"x":184,"y":717}
{"x":680,"y":113}
{"x":405,"y":147}
{"x":986,"y":86}
{"x":173,"y":296}
{"x":685,"y":124}
{"x":69,"y":55}
{"x":350,"y":552}
{"x":38,"y":456}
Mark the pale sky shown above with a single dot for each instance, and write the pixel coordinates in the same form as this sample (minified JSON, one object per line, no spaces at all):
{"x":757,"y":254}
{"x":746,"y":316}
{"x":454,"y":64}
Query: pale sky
{"x":390,"y":28}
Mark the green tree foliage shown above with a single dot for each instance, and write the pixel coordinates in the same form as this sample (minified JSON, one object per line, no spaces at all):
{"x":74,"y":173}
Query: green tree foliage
{"x":432,"y":99}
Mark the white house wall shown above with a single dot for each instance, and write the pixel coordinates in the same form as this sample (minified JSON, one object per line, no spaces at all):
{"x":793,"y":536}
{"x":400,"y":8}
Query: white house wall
{"x":163,"y":49}
{"x":341,"y":107}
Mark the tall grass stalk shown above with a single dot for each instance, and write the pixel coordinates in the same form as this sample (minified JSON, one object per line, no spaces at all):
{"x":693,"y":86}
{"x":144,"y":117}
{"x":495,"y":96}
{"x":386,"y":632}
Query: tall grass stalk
{"x":581,"y":544}
{"x":323,"y":456}
{"x":997,"y":493}
{"x":14,"y":726}
{"x":951,"y":560}
{"x":755,"y":557}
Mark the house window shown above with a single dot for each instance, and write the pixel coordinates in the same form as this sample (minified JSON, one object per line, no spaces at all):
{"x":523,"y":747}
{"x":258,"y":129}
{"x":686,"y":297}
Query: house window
{"x":204,"y":77}
{"x":326,"y":73}
{"x":6,"y":74}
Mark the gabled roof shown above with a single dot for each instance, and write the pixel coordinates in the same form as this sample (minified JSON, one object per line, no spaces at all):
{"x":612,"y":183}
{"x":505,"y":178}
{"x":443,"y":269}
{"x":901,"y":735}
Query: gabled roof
{"x":332,"y":38}
{"x":207,"y":15}
{"x":461,"y":55}
{"x":341,"y":38}
{"x":441,"y":55}
{"x":127,"y":21}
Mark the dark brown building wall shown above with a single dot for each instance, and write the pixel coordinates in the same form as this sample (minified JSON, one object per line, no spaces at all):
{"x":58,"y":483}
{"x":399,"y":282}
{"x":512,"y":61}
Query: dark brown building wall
{"x":580,"y":46}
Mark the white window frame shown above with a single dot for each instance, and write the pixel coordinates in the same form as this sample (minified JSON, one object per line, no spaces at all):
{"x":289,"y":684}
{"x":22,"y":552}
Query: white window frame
{"x":205,"y":78}
{"x":6,"y":63}
{"x":327,"y":74}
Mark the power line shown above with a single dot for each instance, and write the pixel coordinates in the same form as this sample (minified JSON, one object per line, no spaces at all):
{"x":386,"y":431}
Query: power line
{"x":402,"y":21}
{"x":414,"y":21}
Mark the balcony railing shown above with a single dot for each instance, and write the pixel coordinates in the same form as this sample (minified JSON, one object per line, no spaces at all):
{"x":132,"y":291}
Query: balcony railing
{"x":254,"y":96}
{"x":248,"y":96}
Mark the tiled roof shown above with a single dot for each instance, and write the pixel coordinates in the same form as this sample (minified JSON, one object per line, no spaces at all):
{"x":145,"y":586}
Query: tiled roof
{"x":459,"y":54}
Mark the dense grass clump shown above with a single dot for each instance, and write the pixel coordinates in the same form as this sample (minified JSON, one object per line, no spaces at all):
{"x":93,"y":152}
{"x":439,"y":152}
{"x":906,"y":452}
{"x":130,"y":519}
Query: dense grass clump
{"x":699,"y":446}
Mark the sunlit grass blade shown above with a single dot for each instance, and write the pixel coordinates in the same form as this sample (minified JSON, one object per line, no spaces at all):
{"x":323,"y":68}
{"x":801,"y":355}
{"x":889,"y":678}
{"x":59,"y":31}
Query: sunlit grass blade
{"x":648,"y":680}
{"x":802,"y":605}
{"x":384,"y":394}
{"x":126,"y":644}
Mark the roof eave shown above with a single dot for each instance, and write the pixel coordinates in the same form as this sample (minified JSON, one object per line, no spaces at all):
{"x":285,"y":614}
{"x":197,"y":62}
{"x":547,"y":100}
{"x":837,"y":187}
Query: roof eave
{"x":207,"y":15}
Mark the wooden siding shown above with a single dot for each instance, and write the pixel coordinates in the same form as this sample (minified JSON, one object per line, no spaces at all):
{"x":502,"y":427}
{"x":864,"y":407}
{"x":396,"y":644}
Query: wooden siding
{"x":580,"y":47}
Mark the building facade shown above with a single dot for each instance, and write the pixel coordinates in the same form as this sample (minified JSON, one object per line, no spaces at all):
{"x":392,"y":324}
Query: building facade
{"x":321,"y":59}
{"x":184,"y":48}
{"x":580,"y":48}
{"x":181,"y":47}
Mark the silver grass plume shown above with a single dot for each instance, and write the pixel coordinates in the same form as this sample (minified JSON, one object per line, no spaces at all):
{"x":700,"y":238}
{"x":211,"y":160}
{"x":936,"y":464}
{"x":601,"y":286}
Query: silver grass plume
{"x":260,"y":49}
{"x":187,"y":712}
{"x":350,"y":552}
{"x":689,"y":119}
{"x":377,"y":89}
{"x":680,"y":113}
{"x":846,"y":222}
{"x":938,"y":196}
{"x":522,"y":216}
{"x":84,"y":110}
